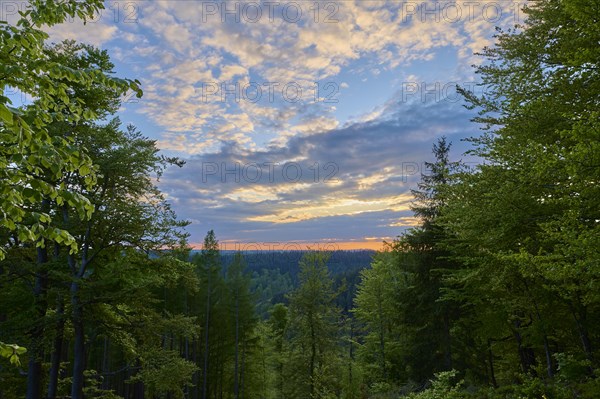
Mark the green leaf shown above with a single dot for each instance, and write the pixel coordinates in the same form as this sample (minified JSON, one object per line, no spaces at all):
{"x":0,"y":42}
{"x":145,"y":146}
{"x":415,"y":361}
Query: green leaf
{"x":6,"y":115}
{"x":84,"y":170}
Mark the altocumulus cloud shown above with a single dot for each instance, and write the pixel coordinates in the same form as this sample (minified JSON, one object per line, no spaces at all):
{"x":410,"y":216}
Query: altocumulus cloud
{"x":319,"y":103}
{"x":349,"y":181}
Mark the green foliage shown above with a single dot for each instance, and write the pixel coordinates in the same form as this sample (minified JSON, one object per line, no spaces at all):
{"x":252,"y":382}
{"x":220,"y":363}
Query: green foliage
{"x":524,"y":225}
{"x":493,"y":295}
{"x":377,"y":307}
{"x":111,"y":283}
{"x":29,"y":155}
{"x":404,"y":291}
{"x":313,"y":323}
{"x":93,"y":386}
{"x":12,"y":352}
{"x":164,"y":372}
{"x":500,"y":279}
{"x":443,"y":386}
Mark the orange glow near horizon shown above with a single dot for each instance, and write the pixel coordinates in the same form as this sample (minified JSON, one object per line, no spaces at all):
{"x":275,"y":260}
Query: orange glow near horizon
{"x":375,"y":245}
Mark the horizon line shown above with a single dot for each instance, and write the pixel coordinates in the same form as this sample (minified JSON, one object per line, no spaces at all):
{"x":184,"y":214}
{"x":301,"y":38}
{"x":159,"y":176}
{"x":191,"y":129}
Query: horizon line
{"x":297,"y":246}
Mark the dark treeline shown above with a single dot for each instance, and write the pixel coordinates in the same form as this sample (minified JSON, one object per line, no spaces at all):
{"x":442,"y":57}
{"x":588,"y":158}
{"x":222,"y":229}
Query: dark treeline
{"x":274,"y":274}
{"x":289,"y":261}
{"x":493,"y":294}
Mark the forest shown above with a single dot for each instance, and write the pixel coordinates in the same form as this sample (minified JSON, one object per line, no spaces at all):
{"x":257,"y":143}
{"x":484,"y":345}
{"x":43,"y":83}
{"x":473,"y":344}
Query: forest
{"x":494,"y":294}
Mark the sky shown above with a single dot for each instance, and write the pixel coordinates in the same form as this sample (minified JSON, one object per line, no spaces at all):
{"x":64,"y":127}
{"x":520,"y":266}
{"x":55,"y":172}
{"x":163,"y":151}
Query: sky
{"x":302,"y":123}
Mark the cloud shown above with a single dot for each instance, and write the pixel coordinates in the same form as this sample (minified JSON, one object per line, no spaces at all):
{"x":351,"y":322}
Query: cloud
{"x":362,"y":171}
{"x":190,"y":49}
{"x":96,"y":32}
{"x":307,"y":210}
{"x":341,"y":169}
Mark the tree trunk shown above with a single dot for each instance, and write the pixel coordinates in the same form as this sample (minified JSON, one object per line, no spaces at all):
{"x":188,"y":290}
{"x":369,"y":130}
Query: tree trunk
{"x":57,"y":348}
{"x":448,"y":343}
{"x":351,"y":360}
{"x":538,"y":314}
{"x":580,"y":317}
{"x":526,"y":355}
{"x":381,"y":339}
{"x":491,"y":360}
{"x":549,"y":368}
{"x":313,"y":354}
{"x":206,"y":326}
{"x":77,"y":311}
{"x":196,"y":375}
{"x":242,"y":369}
{"x":187,"y":357}
{"x":236,"y":390}
{"x":79,"y":343}
{"x":138,"y":387}
{"x":36,"y":347}
{"x":106,"y":363}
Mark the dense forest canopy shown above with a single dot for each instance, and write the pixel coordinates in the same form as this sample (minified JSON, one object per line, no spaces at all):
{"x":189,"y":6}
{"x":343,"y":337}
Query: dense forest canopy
{"x":494,"y":294}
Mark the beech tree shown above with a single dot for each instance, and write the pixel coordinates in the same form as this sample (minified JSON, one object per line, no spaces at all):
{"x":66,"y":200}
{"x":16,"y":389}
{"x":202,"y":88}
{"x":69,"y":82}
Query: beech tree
{"x":28,"y":152}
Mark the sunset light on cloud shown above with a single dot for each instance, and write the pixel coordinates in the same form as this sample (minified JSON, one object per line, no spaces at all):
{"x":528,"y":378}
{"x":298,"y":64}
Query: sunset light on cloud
{"x":299,"y":121}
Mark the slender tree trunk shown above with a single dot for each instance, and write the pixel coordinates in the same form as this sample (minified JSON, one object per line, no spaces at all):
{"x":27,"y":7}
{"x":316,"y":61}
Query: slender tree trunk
{"x":313,"y":354}
{"x":526,"y":355}
{"x":78,"y":343}
{"x":581,"y":323}
{"x":79,"y":354}
{"x":549,"y":368}
{"x":280,"y":367}
{"x":448,"y":343}
{"x":77,"y":311}
{"x":187,"y":357}
{"x":206,"y":326}
{"x":57,"y":348}
{"x":105,"y":363}
{"x":381,"y":338}
{"x":126,"y":387}
{"x":36,"y":347}
{"x":243,"y":366}
{"x":351,"y":355}
{"x":264,"y":372}
{"x":138,"y":387}
{"x":187,"y":341}
{"x":491,"y":360}
{"x":219,"y":366}
{"x":236,"y":390}
{"x":196,"y":376}
{"x":221,"y":369}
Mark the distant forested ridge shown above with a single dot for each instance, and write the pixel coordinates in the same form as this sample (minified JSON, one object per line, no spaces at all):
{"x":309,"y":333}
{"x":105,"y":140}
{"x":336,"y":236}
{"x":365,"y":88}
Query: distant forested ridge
{"x":339,"y":261}
{"x":276,"y":273}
